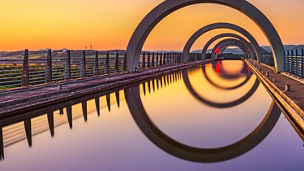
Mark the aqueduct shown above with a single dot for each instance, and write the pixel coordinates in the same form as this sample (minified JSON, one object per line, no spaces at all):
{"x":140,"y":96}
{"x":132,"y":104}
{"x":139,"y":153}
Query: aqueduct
{"x":212,"y":40}
{"x":169,"y":6}
{"x":133,"y":94}
{"x":220,"y":47}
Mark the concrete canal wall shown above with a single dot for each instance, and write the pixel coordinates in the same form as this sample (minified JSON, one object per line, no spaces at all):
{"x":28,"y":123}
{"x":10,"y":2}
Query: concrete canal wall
{"x":287,"y":90}
{"x":29,"y":98}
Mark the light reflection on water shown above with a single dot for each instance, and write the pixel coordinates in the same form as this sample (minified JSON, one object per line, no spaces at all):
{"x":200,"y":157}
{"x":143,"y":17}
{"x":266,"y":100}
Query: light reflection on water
{"x":190,"y":120}
{"x":114,"y":141}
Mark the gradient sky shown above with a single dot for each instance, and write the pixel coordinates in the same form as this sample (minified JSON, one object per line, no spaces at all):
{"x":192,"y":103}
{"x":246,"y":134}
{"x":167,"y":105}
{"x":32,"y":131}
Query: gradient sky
{"x":74,"y":24}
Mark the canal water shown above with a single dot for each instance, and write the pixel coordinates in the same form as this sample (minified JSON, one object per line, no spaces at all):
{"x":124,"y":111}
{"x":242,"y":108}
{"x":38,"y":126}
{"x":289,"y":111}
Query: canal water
{"x":212,"y":117}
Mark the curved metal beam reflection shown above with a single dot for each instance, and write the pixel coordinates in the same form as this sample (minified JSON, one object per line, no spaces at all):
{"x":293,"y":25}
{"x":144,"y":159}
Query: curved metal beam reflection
{"x":218,"y":65}
{"x":183,"y":151}
{"x":226,"y":88}
{"x":215,"y":104}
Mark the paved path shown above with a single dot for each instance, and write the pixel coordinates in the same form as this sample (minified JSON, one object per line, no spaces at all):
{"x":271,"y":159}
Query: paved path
{"x":293,"y":100}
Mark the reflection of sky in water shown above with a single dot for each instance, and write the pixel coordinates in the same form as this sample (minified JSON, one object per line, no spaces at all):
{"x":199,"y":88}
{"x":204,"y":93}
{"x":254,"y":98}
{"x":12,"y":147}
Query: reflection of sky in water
{"x":114,"y":142}
{"x":186,"y":119}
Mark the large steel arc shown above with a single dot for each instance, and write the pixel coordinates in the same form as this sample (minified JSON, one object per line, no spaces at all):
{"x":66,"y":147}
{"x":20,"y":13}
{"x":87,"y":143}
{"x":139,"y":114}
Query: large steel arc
{"x":169,"y":6}
{"x":212,"y":40}
{"x":222,"y":45}
{"x":214,"y":26}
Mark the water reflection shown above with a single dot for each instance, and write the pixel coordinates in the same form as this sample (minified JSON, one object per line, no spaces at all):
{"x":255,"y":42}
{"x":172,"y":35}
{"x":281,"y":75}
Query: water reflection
{"x":26,"y":118}
{"x":191,"y":153}
{"x":222,"y":72}
{"x":217,"y":104}
{"x":166,"y":148}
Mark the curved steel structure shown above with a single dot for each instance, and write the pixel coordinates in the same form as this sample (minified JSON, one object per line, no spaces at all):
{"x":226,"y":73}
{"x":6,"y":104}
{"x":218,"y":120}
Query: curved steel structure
{"x":169,"y":6}
{"x":253,"y":54}
{"x":214,"y":26}
{"x":222,"y":45}
{"x":232,"y":42}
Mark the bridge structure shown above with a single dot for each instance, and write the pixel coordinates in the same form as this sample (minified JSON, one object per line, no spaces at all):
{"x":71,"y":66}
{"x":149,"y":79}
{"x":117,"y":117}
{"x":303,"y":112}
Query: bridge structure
{"x":62,"y":76}
{"x":230,"y":35}
{"x":220,"y":47}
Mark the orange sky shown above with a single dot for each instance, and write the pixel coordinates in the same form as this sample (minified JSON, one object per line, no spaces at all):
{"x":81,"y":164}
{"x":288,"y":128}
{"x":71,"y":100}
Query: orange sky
{"x":73,"y":24}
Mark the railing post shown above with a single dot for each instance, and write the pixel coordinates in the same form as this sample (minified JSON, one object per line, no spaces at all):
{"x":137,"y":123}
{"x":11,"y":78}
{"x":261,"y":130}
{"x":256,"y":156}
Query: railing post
{"x":168,"y":58}
{"x":165,"y":56}
{"x":117,"y":62}
{"x":173,"y":58}
{"x":297,"y":62}
{"x":144,"y":60}
{"x":107,"y":65}
{"x":148,"y":64}
{"x":161,"y":59}
{"x":153,"y":58}
{"x":96,"y":68}
{"x":48,"y":68}
{"x":292,"y":57}
{"x":302,"y":63}
{"x":157,"y":56}
{"x":125,"y":62}
{"x":83,"y":72}
{"x":67,"y":66}
{"x":285,"y":61}
{"x":26,"y":70}
{"x":288,"y":61}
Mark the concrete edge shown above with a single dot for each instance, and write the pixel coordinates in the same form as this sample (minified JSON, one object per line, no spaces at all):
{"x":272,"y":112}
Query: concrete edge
{"x":287,"y":74}
{"x":135,"y":77}
{"x":291,"y":108}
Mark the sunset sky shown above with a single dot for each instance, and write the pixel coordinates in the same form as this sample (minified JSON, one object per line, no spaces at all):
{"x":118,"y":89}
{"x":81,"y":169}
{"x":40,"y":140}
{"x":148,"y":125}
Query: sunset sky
{"x":74,"y":24}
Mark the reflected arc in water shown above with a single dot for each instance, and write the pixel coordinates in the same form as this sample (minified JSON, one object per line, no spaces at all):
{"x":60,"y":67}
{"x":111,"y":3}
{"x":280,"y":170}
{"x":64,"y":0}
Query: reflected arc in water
{"x":219,"y":65}
{"x":215,"y":104}
{"x":224,"y":75}
{"x":175,"y":148}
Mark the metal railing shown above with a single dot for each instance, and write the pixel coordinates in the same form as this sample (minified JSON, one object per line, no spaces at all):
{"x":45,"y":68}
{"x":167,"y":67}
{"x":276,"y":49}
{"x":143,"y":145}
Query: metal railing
{"x":38,"y":67}
{"x":293,"y":61}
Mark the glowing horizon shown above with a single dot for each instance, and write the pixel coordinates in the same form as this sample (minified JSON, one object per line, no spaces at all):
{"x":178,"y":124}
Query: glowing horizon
{"x":57,"y":24}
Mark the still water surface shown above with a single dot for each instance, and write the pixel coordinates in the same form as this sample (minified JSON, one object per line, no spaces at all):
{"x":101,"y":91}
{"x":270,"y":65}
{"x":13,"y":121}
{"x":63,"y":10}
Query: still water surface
{"x":212,"y":117}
